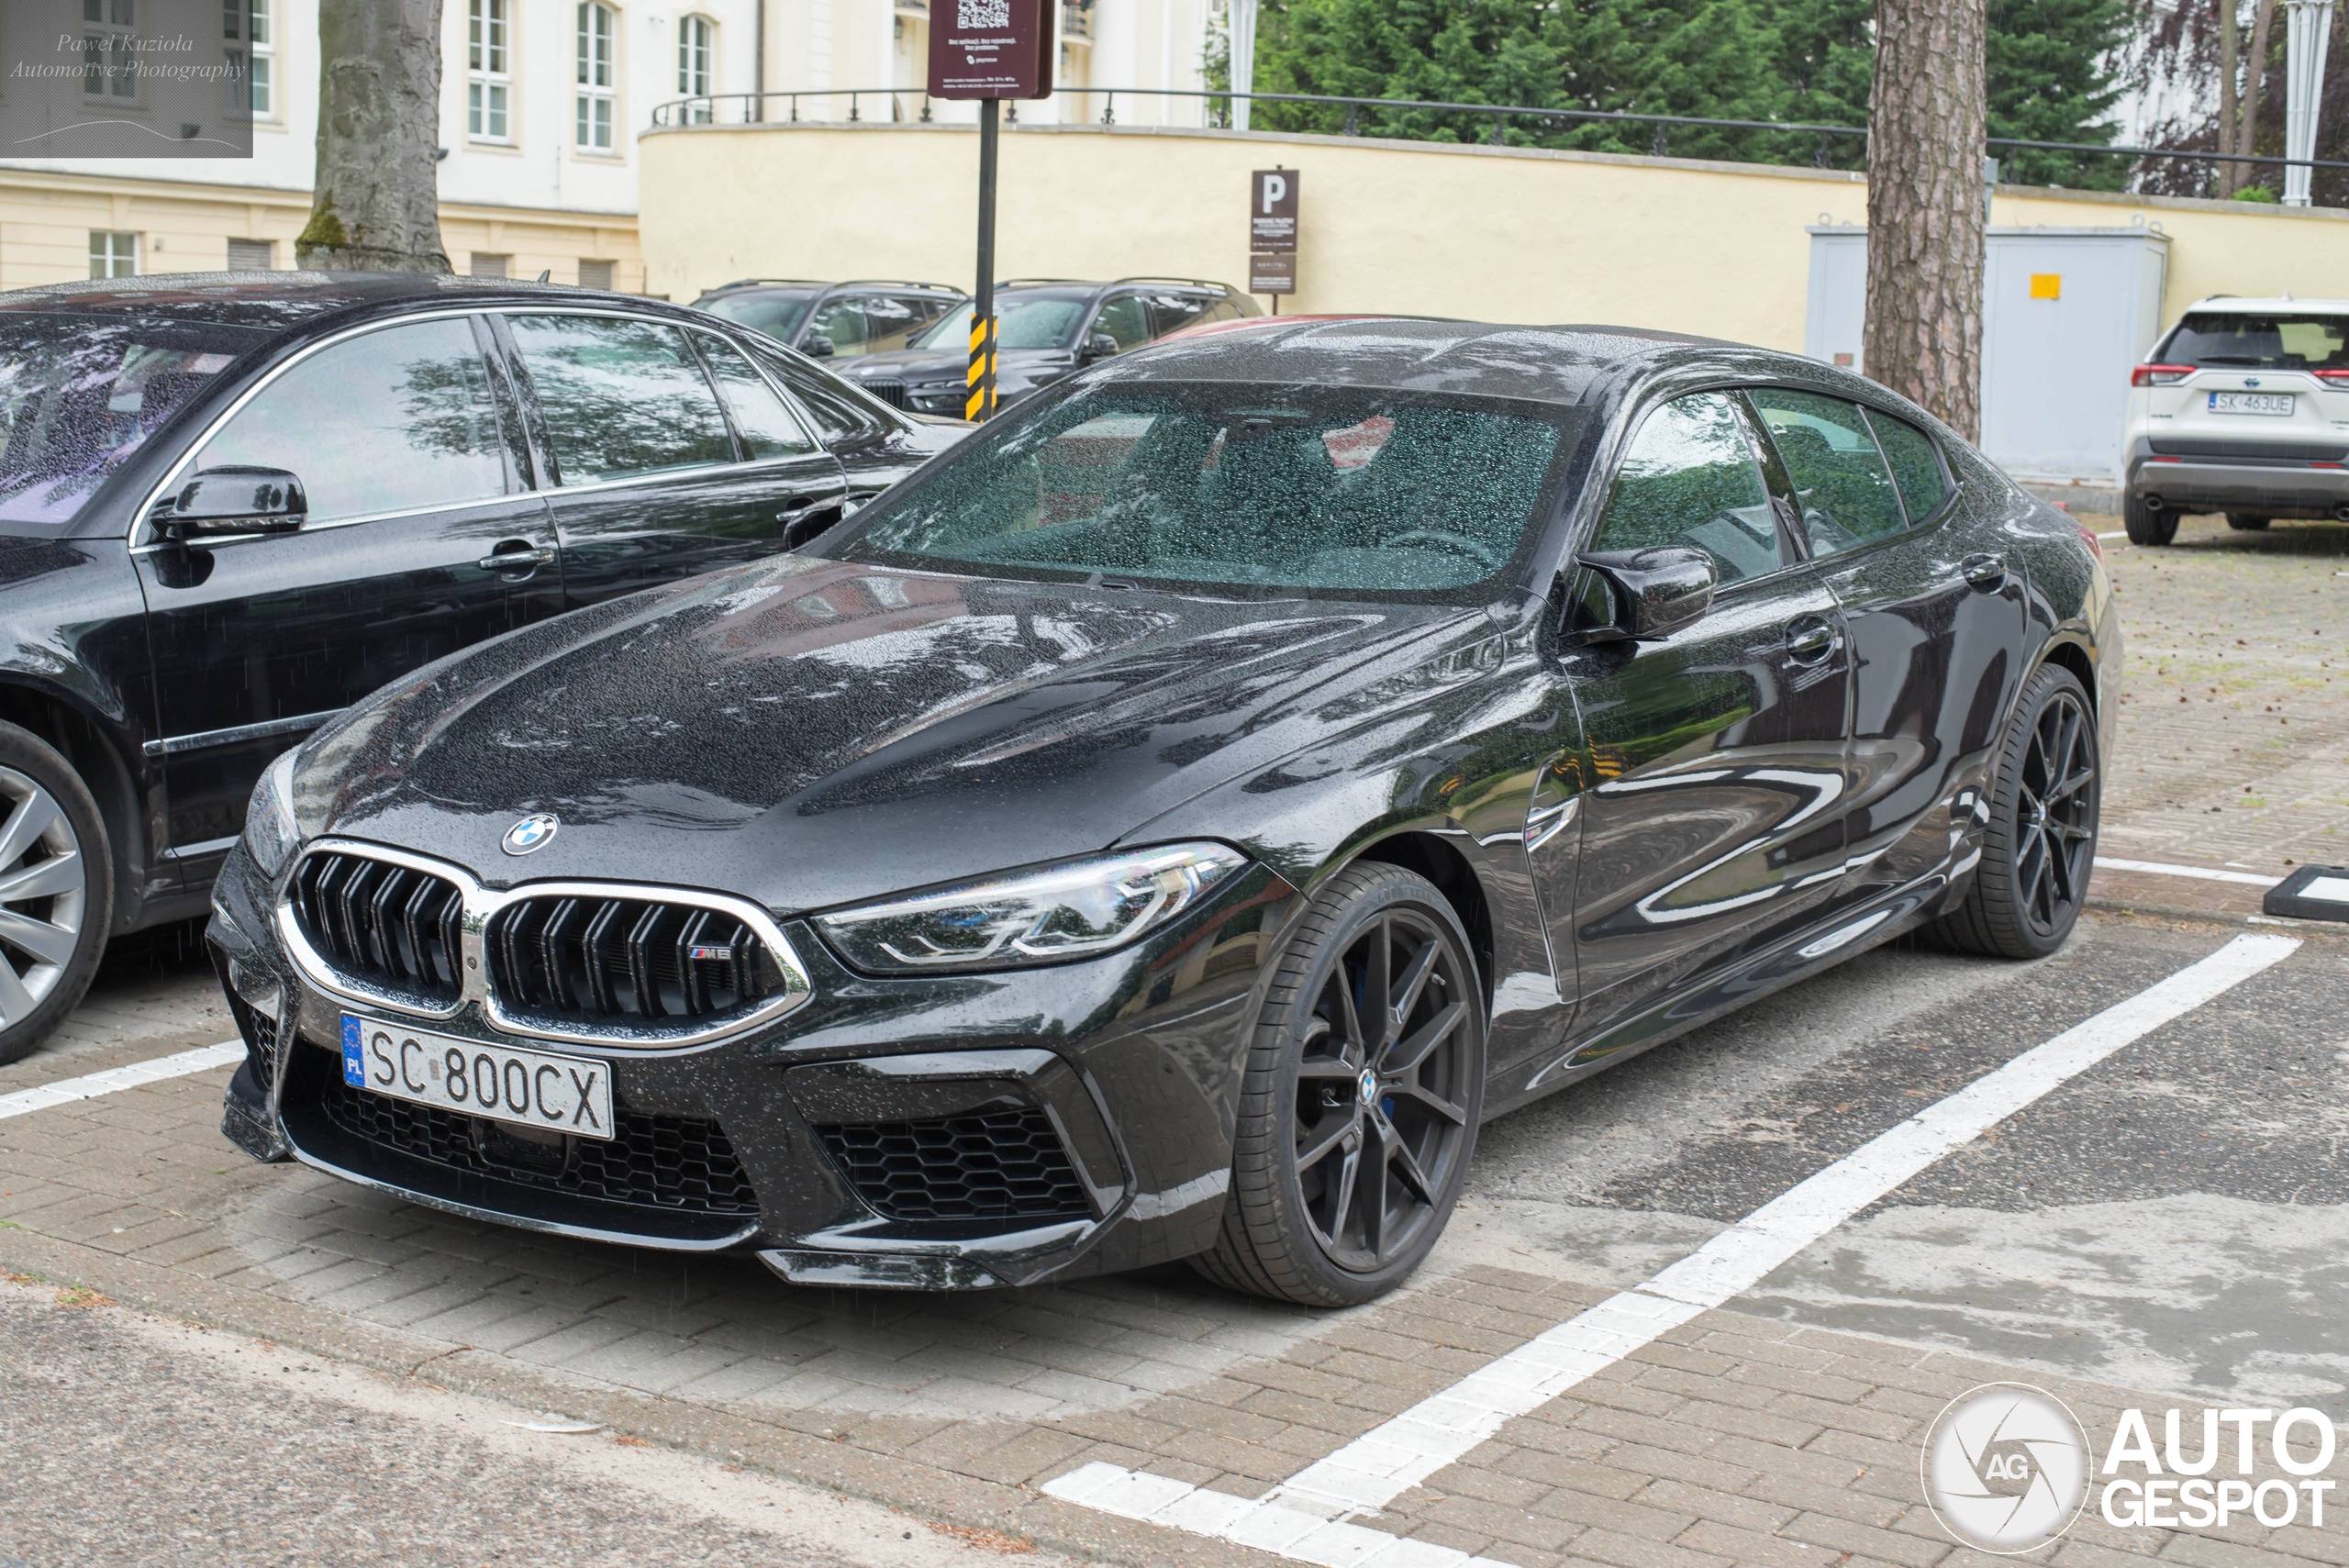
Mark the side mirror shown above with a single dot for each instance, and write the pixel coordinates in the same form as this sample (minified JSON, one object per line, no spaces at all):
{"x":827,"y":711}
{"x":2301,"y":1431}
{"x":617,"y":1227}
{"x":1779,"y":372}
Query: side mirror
{"x":1657,"y":590}
{"x":233,"y":501}
{"x":818,"y":347}
{"x":1100,"y":346}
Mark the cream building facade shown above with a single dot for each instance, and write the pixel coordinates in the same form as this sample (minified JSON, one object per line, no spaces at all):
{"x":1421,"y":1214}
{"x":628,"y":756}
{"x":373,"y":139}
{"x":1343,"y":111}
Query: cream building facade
{"x":541,"y":105}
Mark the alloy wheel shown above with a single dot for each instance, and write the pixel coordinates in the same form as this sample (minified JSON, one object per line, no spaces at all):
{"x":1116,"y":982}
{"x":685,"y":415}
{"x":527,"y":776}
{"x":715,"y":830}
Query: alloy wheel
{"x":1380,"y":1115}
{"x":2055,"y":813}
{"x":43,"y":894}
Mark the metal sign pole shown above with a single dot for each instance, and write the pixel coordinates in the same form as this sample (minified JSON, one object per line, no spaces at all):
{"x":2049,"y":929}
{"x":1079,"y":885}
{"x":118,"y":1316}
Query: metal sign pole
{"x":979,"y":402}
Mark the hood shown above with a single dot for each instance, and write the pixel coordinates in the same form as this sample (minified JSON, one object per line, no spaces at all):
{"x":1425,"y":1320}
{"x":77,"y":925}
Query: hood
{"x":908,"y":364}
{"x":810,"y":733}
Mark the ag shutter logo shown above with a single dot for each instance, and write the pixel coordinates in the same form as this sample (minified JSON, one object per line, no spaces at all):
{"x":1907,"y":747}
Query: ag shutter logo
{"x":2005,"y":1468}
{"x":530,"y":833}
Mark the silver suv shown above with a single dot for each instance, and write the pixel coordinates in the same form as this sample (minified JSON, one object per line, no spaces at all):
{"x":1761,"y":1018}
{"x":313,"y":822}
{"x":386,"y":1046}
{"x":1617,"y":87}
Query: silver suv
{"x":2241,"y":409}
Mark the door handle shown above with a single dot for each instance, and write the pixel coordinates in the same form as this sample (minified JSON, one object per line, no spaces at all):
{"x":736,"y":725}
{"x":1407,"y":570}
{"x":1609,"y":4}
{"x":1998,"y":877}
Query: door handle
{"x":517,"y":555}
{"x":1809,"y":640}
{"x":1984,"y":572}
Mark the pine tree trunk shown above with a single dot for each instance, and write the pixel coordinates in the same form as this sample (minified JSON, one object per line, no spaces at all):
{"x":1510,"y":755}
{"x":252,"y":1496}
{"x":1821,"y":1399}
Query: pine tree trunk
{"x":377,"y":201}
{"x":1926,"y":132}
{"x":2230,"y":174}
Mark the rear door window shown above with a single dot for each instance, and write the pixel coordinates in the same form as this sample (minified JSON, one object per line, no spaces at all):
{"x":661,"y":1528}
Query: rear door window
{"x":1841,"y":483}
{"x":393,"y":420}
{"x":767,"y":425}
{"x":622,"y":399}
{"x":1172,"y":312}
{"x":892,"y":321}
{"x":1124,"y":320}
{"x":1692,"y":478}
{"x":1915,"y":461}
{"x":843,"y":418}
{"x":841,"y":321}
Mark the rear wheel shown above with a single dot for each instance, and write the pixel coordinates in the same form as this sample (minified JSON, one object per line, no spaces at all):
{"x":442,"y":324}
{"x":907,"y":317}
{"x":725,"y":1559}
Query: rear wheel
{"x":1359,"y":1108}
{"x":56,"y":890}
{"x":2247,"y":523}
{"x":2146,"y":523}
{"x":2041,"y":841}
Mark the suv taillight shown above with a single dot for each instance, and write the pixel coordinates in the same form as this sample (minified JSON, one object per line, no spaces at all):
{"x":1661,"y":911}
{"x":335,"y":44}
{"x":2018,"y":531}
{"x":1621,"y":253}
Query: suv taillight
{"x":2333,"y":378}
{"x":2159,"y":375}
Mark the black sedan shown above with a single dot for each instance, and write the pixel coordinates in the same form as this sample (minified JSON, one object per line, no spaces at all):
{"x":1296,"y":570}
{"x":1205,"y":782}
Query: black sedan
{"x":231,"y":507}
{"x":1169,"y":825}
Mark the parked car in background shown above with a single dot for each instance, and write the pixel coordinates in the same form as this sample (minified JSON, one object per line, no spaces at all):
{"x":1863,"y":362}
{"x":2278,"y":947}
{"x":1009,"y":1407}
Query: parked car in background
{"x":2241,"y":409}
{"x":1049,"y":327}
{"x":834,"y":321}
{"x":1170,"y":824}
{"x":230,"y":508}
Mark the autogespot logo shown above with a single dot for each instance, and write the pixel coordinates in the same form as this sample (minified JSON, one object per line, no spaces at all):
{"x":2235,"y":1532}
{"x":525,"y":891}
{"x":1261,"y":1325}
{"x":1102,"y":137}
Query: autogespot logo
{"x":2006,"y":1467}
{"x":530,"y":833}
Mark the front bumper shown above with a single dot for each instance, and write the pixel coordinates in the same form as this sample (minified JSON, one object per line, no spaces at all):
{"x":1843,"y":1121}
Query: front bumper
{"x":935,"y":1133}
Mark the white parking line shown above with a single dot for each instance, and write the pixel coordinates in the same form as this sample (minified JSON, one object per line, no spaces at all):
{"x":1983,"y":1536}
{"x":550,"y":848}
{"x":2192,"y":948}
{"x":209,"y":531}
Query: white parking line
{"x":2117,"y":533}
{"x":114,"y":1079}
{"x":2202,"y":873}
{"x":1303,"y":1519}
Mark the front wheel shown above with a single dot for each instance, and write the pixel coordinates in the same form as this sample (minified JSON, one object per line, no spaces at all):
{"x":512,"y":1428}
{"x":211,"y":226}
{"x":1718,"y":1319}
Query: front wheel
{"x":2146,"y":523}
{"x":2041,"y":841}
{"x":1359,"y":1107}
{"x":2246,"y":523}
{"x":56,"y":890}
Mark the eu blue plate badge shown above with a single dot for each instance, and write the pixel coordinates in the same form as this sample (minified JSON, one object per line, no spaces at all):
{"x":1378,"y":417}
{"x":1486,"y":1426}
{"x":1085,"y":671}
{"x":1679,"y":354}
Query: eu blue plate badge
{"x":354,"y":1065}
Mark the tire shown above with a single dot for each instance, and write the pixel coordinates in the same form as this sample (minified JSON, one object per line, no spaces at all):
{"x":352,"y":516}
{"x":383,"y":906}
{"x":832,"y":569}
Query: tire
{"x":2146,"y":524}
{"x":1298,"y":1225}
{"x":2036,"y":859}
{"x":56,"y":890}
{"x":2249,"y":525}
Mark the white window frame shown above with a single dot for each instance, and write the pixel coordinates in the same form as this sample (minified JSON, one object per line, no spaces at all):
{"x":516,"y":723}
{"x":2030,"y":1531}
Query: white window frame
{"x":489,"y":71}
{"x":106,"y":251}
{"x":595,"y":77}
{"x":262,"y":52}
{"x":697,"y":65}
{"x":110,"y":40}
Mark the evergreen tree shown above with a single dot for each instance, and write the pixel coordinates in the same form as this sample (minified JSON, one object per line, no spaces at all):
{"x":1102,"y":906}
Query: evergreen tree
{"x":2046,"y":85}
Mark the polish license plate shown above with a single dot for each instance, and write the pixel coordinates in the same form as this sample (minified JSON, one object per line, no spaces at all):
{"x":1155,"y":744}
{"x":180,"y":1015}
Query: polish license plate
{"x":2251,"y":403}
{"x":529,"y":1088}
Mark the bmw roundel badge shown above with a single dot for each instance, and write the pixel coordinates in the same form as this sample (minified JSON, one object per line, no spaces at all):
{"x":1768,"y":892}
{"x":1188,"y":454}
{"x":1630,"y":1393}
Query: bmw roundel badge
{"x":530,"y":833}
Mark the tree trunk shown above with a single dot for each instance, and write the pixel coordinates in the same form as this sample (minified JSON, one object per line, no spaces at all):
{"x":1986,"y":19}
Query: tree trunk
{"x":2256,"y":77}
{"x":2230,"y":175}
{"x":377,"y":202}
{"x":1927,"y":207}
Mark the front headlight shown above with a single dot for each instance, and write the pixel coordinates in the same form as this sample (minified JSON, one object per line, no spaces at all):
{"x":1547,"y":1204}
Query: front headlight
{"x":271,"y":837}
{"x":1061,"y":912}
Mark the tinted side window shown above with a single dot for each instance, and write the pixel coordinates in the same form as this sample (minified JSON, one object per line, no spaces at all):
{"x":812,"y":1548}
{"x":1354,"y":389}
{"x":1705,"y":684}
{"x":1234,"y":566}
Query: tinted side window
{"x":1838,"y":476}
{"x":842,"y":416}
{"x":1691,"y":478}
{"x":391,"y":421}
{"x":621,"y":398}
{"x":1172,"y":312}
{"x":1124,"y":320}
{"x":842,"y":320}
{"x":768,"y":427}
{"x":1916,"y":464}
{"x":890,"y":320}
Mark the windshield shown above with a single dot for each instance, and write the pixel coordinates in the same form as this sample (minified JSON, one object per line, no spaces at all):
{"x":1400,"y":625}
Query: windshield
{"x":1029,"y":321}
{"x":78,"y":393}
{"x":776,"y":312}
{"x":2259,"y":340}
{"x":1341,"y":489}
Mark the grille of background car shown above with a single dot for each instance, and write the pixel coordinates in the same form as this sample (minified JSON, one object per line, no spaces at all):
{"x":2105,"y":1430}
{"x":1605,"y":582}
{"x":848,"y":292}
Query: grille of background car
{"x":652,"y":1162}
{"x":384,"y":923}
{"x":623,"y":958}
{"x":891,"y":392}
{"x":1002,"y":1164}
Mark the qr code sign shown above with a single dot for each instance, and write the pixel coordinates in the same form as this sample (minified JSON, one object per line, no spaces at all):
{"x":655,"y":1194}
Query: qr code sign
{"x":971,"y":15}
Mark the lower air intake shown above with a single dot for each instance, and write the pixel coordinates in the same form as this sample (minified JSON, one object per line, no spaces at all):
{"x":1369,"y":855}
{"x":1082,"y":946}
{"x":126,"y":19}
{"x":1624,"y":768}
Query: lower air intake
{"x":1005,"y":1164}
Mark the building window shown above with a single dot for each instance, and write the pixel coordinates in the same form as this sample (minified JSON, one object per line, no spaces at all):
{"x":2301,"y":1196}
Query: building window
{"x":592,"y":115}
{"x":489,"y":81}
{"x":253,"y":255}
{"x":244,"y":26}
{"x":109,"y":49}
{"x":112,"y":253}
{"x":594,"y":274}
{"x":490,"y":264}
{"x":695,"y":77}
